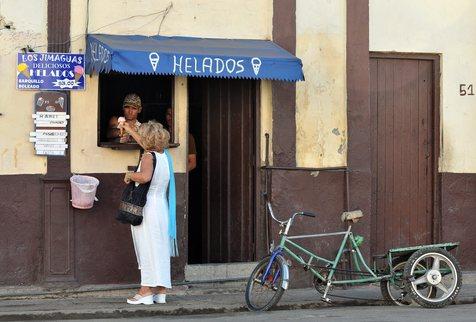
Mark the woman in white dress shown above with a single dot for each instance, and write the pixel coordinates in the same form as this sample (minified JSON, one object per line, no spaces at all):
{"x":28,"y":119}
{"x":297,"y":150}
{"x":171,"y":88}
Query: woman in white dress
{"x":152,"y":238}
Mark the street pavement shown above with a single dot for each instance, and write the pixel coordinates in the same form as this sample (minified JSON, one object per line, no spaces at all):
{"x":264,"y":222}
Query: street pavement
{"x":187,"y":302}
{"x":453,"y":313}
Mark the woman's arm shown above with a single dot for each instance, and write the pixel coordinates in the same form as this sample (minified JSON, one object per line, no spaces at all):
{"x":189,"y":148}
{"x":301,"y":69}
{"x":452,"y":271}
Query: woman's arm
{"x":132,"y":132}
{"x":145,"y":173}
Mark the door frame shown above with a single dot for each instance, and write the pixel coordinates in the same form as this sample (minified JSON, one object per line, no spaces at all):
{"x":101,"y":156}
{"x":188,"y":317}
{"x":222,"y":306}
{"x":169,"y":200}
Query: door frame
{"x":256,"y":217}
{"x":436,"y":175}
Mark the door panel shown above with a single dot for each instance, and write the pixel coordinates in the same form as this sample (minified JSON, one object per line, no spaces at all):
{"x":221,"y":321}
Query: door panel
{"x":402,"y":110}
{"x":228,"y":175}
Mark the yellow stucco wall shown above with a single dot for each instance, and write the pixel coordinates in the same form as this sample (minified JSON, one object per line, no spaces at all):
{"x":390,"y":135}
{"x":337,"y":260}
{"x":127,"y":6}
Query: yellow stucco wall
{"x":266,"y":120}
{"x":16,"y":152}
{"x":243,"y":19}
{"x":321,"y":119}
{"x":200,"y":18}
{"x":447,"y":28}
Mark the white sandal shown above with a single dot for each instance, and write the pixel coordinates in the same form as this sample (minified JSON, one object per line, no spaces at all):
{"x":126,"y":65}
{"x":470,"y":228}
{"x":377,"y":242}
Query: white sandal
{"x":140,"y":299}
{"x":159,"y":298}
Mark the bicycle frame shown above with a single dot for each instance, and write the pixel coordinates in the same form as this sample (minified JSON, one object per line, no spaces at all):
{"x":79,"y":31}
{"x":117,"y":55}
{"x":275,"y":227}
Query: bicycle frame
{"x":288,"y":242}
{"x":272,"y":272}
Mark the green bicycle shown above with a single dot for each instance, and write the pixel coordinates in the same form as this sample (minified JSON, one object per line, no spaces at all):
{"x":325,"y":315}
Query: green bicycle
{"x":426,"y":274}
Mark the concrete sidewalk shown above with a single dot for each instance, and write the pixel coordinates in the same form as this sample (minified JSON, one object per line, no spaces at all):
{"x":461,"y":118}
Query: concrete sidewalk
{"x":183,"y":300}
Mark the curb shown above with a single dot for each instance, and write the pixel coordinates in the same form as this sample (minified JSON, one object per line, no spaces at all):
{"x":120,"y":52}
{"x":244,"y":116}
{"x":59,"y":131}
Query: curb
{"x":159,"y":311}
{"x":24,"y":292}
{"x":179,"y":288}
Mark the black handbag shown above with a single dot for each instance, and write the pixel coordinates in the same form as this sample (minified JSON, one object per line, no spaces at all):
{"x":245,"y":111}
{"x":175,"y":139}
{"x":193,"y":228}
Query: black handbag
{"x":133,"y":201}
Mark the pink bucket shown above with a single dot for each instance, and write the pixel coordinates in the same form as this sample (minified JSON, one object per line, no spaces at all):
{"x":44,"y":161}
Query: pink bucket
{"x":83,"y":191}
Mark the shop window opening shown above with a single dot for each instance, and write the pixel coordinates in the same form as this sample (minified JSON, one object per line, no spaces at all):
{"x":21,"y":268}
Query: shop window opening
{"x":156,"y":99}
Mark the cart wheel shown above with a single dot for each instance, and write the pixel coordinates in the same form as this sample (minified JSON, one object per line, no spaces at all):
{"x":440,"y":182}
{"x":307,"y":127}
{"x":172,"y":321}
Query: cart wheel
{"x":432,"y":267}
{"x":395,"y":293}
{"x":263,"y":293}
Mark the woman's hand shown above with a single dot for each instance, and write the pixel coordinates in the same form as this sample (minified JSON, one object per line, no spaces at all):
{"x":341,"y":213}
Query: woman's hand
{"x":126,"y":127}
{"x":127,"y":177}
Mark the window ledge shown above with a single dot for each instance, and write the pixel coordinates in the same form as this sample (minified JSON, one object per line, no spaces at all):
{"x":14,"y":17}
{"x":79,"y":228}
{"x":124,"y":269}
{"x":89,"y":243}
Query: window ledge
{"x":128,"y":146}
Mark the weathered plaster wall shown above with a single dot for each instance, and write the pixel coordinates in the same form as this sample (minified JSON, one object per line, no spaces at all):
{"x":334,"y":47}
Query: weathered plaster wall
{"x":266,"y":120}
{"x":199,"y":18}
{"x":458,"y":204}
{"x":321,"y":124}
{"x":244,"y":19}
{"x":22,"y":234}
{"x":16,"y":152}
{"x":443,"y":27}
{"x":323,"y":195}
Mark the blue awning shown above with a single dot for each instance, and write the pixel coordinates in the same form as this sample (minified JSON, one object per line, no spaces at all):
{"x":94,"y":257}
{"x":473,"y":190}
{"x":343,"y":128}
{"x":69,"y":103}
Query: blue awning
{"x":187,"y":56}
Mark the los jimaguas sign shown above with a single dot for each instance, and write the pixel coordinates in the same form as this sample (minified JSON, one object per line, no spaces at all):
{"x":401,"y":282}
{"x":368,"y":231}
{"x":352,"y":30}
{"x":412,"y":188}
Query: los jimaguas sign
{"x":50,"y":71}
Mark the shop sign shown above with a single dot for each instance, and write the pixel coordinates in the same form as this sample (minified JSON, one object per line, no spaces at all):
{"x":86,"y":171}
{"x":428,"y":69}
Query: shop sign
{"x":188,"y":56}
{"x":50,"y":119}
{"x":50,"y":71}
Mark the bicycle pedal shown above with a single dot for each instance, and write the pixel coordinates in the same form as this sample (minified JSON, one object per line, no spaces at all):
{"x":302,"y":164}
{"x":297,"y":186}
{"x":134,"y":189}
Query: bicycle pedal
{"x":326,"y":299}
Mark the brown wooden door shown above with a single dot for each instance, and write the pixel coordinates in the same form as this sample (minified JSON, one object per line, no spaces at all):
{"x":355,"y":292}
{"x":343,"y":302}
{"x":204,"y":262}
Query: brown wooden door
{"x":228,"y":173}
{"x":402,"y":109}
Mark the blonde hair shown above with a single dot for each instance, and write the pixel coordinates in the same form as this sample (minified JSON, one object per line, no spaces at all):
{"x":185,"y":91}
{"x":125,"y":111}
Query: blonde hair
{"x":154,"y":136}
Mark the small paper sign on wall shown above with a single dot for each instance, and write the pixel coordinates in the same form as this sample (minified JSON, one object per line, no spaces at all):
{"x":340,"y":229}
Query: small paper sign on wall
{"x":50,"y":119}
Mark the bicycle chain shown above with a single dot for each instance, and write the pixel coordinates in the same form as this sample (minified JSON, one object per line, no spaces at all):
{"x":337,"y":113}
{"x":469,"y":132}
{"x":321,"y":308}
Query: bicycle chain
{"x":351,"y":272}
{"x":356,"y":298}
{"x":321,"y":288}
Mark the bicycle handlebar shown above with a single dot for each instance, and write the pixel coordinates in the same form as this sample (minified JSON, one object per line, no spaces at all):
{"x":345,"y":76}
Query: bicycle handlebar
{"x":306,"y":213}
{"x":301,"y":213}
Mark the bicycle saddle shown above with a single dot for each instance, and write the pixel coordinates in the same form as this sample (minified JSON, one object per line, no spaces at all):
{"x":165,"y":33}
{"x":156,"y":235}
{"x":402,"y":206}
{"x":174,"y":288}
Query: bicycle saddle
{"x":353,"y":216}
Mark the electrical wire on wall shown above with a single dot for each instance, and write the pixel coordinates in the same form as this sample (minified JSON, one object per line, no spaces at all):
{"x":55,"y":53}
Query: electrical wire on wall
{"x":167,"y":10}
{"x":87,"y":18}
{"x":161,"y":13}
{"x":164,"y":14}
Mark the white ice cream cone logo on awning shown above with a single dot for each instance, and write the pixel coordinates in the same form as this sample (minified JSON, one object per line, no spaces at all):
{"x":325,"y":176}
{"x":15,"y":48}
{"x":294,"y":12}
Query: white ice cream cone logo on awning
{"x":256,"y":63}
{"x":154,"y":60}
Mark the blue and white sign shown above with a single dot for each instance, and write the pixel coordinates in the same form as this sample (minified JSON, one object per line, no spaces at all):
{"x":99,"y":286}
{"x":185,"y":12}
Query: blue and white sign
{"x":186,"y":56}
{"x":50,"y":71}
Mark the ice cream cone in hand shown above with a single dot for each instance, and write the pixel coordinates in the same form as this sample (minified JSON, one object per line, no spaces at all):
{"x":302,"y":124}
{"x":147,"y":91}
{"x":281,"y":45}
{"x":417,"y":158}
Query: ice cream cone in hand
{"x":121,"y":120}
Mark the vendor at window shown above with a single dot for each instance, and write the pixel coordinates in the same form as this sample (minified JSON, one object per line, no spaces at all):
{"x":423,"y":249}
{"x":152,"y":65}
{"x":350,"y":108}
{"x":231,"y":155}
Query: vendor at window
{"x":131,"y":107}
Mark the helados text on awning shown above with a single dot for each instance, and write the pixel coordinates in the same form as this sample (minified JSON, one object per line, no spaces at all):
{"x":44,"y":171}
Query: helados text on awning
{"x":187,"y":56}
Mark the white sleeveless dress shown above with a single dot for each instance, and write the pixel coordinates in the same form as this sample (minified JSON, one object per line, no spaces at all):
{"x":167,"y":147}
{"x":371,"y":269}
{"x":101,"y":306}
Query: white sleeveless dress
{"x":151,"y":238}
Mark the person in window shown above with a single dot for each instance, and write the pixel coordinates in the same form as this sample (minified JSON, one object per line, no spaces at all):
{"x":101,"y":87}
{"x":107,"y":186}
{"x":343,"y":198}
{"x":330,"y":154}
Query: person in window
{"x":131,"y":107}
{"x":192,"y":150}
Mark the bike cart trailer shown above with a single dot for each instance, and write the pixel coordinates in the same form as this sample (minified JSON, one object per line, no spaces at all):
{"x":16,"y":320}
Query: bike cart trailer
{"x":428,"y":275}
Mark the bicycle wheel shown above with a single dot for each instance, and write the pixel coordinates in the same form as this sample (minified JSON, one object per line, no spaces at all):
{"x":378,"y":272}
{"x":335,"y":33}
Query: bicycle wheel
{"x":442,"y":272}
{"x":263,"y":292}
{"x":395,"y":293}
